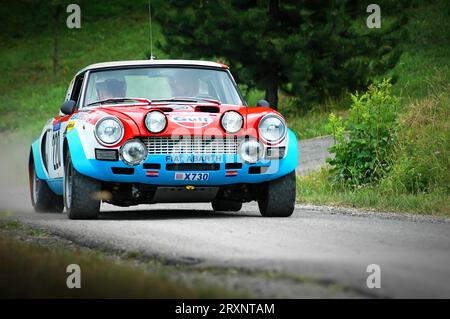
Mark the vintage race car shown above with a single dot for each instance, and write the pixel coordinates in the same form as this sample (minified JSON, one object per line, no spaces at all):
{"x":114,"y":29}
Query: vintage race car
{"x":162,"y":131}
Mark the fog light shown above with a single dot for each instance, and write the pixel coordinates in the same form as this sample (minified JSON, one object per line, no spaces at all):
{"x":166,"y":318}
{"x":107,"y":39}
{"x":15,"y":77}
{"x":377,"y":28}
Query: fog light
{"x":133,"y":152}
{"x":250,"y":151}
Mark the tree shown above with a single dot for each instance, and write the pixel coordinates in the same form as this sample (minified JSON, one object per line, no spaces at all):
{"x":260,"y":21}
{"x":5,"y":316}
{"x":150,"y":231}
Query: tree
{"x":26,"y":16}
{"x":56,"y":12}
{"x":309,"y":49}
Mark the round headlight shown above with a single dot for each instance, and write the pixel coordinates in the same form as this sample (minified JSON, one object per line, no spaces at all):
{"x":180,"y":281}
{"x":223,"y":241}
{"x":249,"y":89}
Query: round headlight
{"x":232,"y":122}
{"x":133,"y":152}
{"x":155,"y":121}
{"x":272,"y":128}
{"x":109,"y":130}
{"x":250,"y":151}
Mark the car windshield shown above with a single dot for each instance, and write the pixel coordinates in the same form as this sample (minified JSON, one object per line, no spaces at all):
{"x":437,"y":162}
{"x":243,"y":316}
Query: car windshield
{"x":163,"y":84}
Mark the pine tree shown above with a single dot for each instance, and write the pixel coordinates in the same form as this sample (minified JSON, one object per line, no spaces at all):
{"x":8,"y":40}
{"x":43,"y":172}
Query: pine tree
{"x":309,"y":49}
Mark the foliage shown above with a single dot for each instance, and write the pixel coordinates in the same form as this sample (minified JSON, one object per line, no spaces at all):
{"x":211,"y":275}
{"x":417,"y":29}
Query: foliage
{"x":422,"y":153}
{"x":364,"y":141}
{"x":308,"y":49}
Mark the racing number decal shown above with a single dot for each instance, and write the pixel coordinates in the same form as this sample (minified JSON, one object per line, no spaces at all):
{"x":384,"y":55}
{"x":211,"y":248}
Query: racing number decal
{"x":56,"y":146}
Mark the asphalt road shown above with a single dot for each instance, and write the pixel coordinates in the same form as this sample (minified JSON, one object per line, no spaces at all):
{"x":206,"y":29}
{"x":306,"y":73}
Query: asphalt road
{"x":413,"y":253}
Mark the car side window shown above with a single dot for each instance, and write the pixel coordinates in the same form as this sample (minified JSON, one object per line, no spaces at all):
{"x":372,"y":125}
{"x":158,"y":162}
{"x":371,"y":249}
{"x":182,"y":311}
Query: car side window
{"x":76,"y":90}
{"x":69,"y":90}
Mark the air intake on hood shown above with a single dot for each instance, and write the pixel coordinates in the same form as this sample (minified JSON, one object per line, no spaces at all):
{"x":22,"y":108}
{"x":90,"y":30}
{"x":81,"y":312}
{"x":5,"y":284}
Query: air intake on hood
{"x":207,"y":109}
{"x":163,"y":109}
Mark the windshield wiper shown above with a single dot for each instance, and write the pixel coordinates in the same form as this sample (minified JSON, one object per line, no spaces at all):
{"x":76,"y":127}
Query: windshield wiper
{"x":187,"y":99}
{"x":120,"y":100}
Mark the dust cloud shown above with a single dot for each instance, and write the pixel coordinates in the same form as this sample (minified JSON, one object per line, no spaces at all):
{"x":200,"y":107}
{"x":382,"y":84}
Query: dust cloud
{"x":14,"y":189}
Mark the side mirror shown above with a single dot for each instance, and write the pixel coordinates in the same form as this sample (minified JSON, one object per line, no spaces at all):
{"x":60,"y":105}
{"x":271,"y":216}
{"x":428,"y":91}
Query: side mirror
{"x":263,"y":103}
{"x":68,"y":107}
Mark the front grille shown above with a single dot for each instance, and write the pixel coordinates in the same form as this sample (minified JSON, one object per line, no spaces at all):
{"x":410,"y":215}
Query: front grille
{"x":191,"y":145}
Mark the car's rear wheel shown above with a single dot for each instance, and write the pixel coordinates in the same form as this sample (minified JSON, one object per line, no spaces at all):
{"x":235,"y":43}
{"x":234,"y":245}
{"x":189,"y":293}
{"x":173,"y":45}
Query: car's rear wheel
{"x":81,"y":193}
{"x":43,"y":198}
{"x":224,"y":205}
{"x":278,"y":199}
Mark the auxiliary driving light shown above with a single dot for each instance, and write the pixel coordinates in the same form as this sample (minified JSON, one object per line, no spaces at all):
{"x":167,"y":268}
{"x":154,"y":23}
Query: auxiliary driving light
{"x":250,"y":151}
{"x":133,"y":152}
{"x":155,"y":121}
{"x":232,"y":122}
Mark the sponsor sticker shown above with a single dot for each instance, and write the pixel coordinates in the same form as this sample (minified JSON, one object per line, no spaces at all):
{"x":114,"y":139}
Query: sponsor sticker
{"x":70,"y":126}
{"x":194,"y":158}
{"x":152,"y":173}
{"x":56,"y":126}
{"x":191,"y":121}
{"x":78,"y":116}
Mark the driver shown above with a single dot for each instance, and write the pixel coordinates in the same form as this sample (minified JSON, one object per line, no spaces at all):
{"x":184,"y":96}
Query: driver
{"x":184,"y":84}
{"x":111,"y":88}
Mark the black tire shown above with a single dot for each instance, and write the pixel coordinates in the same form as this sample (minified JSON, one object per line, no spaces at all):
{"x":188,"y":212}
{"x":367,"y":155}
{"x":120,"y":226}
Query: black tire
{"x":81,"y":193}
{"x":43,"y":198}
{"x":279,"y":197}
{"x":224,"y":205}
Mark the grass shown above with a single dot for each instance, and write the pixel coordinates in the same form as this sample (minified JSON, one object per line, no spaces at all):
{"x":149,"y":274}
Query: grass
{"x":10,"y":224}
{"x":316,"y":188}
{"x":34,"y":271}
{"x":426,"y":56}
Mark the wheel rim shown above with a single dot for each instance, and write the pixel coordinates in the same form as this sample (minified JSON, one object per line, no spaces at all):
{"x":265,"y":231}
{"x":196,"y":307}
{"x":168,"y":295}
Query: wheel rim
{"x":68,"y":185}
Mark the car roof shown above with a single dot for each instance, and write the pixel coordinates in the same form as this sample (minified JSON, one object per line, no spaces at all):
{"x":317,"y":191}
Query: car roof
{"x":120,"y":64}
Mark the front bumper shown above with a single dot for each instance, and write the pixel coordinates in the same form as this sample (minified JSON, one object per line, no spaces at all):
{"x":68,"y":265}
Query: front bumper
{"x":159,"y":174}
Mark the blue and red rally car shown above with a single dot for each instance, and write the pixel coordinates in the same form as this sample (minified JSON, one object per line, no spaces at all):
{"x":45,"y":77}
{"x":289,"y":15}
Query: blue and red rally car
{"x":162,"y":131}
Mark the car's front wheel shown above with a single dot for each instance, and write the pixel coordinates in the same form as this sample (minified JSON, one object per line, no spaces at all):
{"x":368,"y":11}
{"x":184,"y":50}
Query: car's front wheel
{"x":224,"y":205}
{"x":278,"y":199}
{"x":81,"y":193}
{"x":43,"y":198}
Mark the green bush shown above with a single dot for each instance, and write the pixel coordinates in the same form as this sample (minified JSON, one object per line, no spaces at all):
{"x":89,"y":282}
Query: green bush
{"x":365,"y":140}
{"x":422,"y":161}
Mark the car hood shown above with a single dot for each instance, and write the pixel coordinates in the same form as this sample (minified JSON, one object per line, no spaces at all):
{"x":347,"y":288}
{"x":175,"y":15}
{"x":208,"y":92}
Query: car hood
{"x":182,"y":119}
